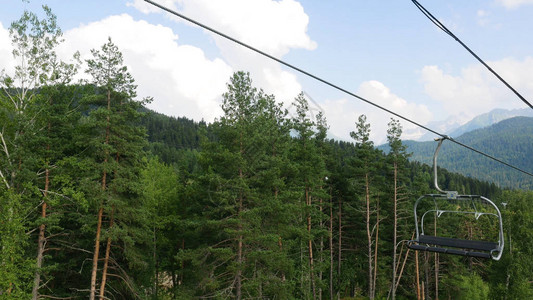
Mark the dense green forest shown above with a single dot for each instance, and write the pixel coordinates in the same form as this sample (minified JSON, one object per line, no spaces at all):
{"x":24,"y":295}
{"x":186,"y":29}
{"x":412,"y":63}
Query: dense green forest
{"x":510,"y":140}
{"x":102,"y":198}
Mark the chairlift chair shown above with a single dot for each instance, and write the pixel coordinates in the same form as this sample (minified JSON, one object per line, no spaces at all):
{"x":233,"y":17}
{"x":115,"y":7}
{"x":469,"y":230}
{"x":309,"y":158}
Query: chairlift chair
{"x":446,"y":203}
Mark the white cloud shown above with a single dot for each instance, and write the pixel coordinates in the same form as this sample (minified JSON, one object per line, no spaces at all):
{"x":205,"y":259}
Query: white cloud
{"x":343,"y":113}
{"x":476,"y":90}
{"x":512,"y":4}
{"x":274,"y":27}
{"x":6,"y":56}
{"x":181,"y":79}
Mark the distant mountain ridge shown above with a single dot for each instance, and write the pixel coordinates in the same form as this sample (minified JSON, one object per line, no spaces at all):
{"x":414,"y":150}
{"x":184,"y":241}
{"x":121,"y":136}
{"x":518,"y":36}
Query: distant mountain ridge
{"x":510,"y":140}
{"x":452,"y":126}
{"x":490,"y":118}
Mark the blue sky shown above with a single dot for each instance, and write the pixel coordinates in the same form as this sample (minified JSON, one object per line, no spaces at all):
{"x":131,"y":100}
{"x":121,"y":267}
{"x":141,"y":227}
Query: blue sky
{"x":386,"y":51}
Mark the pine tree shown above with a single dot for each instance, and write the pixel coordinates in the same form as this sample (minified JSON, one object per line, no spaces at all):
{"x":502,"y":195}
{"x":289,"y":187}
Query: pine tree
{"x":398,"y":158}
{"x":116,"y":146}
{"x":229,"y":195}
{"x":310,"y":173}
{"x":364,"y":172}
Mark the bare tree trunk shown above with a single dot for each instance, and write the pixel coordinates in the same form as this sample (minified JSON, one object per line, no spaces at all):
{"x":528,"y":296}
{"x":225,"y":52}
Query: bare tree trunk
{"x":339,"y":266}
{"x":310,"y":244}
{"x":238,"y":278}
{"x":417,"y":276}
{"x":321,"y":256}
{"x":330,"y":246}
{"x":394,"y":233}
{"x":369,"y":238}
{"x":436,"y":265}
{"x":376,"y":251}
{"x":403,"y":264}
{"x":42,"y":240}
{"x":239,"y":271}
{"x":96,"y":253}
{"x":108,"y":246}
{"x":106,"y":257}
{"x":101,"y":209}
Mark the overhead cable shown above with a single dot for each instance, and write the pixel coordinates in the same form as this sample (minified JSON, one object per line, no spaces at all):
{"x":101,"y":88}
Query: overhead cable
{"x":331,"y":84}
{"x":448,"y":32}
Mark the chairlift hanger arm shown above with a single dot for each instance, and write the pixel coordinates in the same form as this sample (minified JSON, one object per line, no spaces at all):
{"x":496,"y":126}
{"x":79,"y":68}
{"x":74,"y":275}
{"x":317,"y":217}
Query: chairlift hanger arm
{"x":449,"y":194}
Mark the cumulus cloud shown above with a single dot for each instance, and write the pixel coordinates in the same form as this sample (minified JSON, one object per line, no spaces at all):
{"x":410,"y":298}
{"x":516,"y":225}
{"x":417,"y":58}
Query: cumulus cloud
{"x":343,"y":113}
{"x":274,"y":27}
{"x":6,"y":57}
{"x":512,"y":4}
{"x":181,"y":79}
{"x":476,"y":90}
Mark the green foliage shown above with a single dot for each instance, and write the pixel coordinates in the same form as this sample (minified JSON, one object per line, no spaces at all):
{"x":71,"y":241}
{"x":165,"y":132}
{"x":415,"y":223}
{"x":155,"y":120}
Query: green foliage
{"x":15,"y":265}
{"x":258,"y":204}
{"x":471,"y":287}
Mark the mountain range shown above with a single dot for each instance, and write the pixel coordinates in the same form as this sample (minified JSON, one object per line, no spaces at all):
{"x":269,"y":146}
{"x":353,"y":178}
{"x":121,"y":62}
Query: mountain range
{"x":510,"y":140}
{"x":457,"y":125}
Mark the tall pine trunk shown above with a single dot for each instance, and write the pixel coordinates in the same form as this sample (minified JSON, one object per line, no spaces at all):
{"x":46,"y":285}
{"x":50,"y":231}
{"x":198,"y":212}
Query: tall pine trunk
{"x":369,"y":238}
{"x":417,"y":276}
{"x":96,"y":255}
{"x":106,"y":256}
{"x":41,"y":242}
{"x":331,"y":292}
{"x":238,"y":276}
{"x":321,"y":254}
{"x":436,"y":264}
{"x":42,"y":239}
{"x":395,"y":229}
{"x":108,"y":245}
{"x":376,"y":252}
{"x":310,"y":244}
{"x":339,"y":261}
{"x":239,"y":262}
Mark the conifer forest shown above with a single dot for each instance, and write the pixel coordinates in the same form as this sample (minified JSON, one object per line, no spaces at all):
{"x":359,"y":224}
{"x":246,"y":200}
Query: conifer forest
{"x":101,"y":198}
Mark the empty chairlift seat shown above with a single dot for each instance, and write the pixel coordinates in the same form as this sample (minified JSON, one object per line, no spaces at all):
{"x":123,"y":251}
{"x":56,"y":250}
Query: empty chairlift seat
{"x":475,"y":210}
{"x":453,"y":245}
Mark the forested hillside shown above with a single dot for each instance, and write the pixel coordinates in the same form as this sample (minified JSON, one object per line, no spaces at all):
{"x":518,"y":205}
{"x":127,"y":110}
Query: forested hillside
{"x":173,"y":140}
{"x":102,"y":199}
{"x":510,"y":140}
